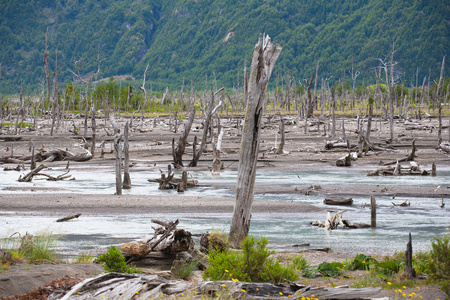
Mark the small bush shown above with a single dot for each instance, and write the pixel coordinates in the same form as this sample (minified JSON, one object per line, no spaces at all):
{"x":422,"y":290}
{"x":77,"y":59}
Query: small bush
{"x":185,"y":268}
{"x":114,"y":261}
{"x":253,"y":264}
{"x":325,"y":269}
{"x":83,"y":258}
{"x":361,"y":262}
{"x":439,"y":265}
{"x":299,"y":263}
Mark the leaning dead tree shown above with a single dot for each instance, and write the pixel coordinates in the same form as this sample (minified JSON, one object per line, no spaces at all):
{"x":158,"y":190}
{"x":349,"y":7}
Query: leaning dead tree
{"x":178,"y":151}
{"x":265,"y":54}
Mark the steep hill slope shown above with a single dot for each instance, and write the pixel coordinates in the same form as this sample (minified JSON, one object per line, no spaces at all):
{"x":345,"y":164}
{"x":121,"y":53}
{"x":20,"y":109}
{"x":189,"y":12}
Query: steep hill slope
{"x":201,"y":39}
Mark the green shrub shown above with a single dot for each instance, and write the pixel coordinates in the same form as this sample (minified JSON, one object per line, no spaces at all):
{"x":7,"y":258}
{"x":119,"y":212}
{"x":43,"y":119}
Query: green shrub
{"x":299,"y":262}
{"x":35,"y":249}
{"x":184,"y":269}
{"x":115,"y":262}
{"x":83,"y":258}
{"x":253,"y":264}
{"x":439,"y":264}
{"x":361,"y":262}
{"x":325,"y":269}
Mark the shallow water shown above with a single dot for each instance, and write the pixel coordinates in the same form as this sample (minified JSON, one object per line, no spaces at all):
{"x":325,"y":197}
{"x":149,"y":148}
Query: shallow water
{"x":424,"y":219}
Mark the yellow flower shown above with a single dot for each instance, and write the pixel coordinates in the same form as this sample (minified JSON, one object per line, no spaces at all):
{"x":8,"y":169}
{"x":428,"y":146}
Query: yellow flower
{"x":404,"y":295}
{"x":404,"y":287}
{"x":103,"y":297}
{"x":303,"y":298}
{"x":389,"y":283}
{"x":289,"y":296}
{"x":420,"y":297}
{"x":257,"y":289}
{"x":194,"y":292}
{"x":137,"y":292}
{"x":243,"y":290}
{"x":224,"y":285}
{"x":226,"y":271}
{"x":399,"y":290}
{"x":182,"y":294}
{"x":413,"y":293}
{"x":312,"y":296}
{"x":280,"y":293}
{"x":395,"y":291}
{"x":217,"y":295}
{"x":418,"y":287}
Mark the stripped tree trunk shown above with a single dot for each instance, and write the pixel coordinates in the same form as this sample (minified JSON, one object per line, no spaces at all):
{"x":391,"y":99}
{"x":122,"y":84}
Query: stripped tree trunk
{"x":94,"y":127}
{"x":216,"y":162}
{"x":177,"y":152}
{"x":265,"y":55}
{"x":282,"y":136}
{"x":118,"y":153}
{"x":126,"y":163}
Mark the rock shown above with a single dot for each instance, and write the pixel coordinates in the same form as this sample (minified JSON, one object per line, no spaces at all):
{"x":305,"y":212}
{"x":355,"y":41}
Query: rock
{"x":135,"y":248}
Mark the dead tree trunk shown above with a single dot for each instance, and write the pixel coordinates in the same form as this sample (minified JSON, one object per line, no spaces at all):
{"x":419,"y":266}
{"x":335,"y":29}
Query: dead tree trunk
{"x":409,"y":270}
{"x":310,"y":109}
{"x":94,"y":127}
{"x":47,"y":73}
{"x":126,"y":163}
{"x":373,"y":212}
{"x":369,"y":119}
{"x":216,"y":162}
{"x":333,"y":104}
{"x":211,"y":111}
{"x":439,"y":101}
{"x":178,"y":151}
{"x":265,"y":55}
{"x":282,"y":137}
{"x":118,"y":153}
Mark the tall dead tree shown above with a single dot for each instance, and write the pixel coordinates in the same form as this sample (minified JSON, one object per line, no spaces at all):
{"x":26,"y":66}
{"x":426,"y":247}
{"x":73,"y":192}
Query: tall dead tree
{"x":178,"y":151}
{"x":47,"y":73}
{"x":265,"y":54}
{"x":310,"y":105}
{"x":126,"y":162}
{"x":55,"y":93}
{"x":439,"y":101}
{"x":86,"y":81}
{"x":206,"y":123}
{"x":118,"y":153}
{"x":142,"y":88}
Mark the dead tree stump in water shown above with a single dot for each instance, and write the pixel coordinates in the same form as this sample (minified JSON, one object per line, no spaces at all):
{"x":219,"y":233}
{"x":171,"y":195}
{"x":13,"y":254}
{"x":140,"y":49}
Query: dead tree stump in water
{"x":373,"y":212}
{"x":118,"y":153}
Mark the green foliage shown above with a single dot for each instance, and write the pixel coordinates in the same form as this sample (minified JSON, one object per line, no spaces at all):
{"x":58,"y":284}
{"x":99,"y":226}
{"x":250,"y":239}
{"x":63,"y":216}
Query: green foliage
{"x":196,"y":39}
{"x":253,"y":264}
{"x":439,"y":264}
{"x":115,"y":262}
{"x":299,"y":262}
{"x":83,"y":258}
{"x":325,"y":269}
{"x":361,"y":262}
{"x":184,"y":269}
{"x":35,"y":249}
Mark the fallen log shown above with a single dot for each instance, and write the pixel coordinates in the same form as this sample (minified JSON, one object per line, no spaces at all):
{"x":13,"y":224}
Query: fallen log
{"x":403,"y":204}
{"x":445,"y":147}
{"x":28,"y":177}
{"x":338,"y":201}
{"x":68,"y":218}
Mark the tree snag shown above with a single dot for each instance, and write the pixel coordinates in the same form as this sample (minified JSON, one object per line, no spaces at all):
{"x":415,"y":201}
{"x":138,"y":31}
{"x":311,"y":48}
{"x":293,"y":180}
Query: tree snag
{"x":178,"y":151}
{"x":126,"y":163}
{"x":265,"y":55}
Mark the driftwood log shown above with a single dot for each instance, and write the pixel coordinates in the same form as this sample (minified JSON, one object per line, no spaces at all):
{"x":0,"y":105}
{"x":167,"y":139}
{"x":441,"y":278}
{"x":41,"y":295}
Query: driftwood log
{"x":68,"y":218}
{"x":334,"y":220}
{"x":345,"y":161}
{"x":48,"y":156}
{"x":169,"y":181}
{"x":414,"y":169}
{"x":338,"y":201}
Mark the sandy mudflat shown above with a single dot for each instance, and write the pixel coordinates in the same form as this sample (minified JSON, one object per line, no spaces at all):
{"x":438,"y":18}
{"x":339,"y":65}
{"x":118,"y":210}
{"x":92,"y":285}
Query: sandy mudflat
{"x":136,"y":204}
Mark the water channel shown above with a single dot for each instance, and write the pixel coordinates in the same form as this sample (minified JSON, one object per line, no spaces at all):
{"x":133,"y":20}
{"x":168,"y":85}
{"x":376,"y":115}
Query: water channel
{"x":424,"y":219}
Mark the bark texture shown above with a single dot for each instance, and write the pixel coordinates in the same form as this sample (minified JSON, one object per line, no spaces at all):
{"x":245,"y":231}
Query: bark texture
{"x":265,"y":55}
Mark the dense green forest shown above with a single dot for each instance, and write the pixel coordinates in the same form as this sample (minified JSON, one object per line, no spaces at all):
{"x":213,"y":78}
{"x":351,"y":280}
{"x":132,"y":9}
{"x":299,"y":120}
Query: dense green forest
{"x":203,"y":40}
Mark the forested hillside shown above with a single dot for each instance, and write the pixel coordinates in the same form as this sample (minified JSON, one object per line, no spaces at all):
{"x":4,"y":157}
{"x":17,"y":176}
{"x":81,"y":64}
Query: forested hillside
{"x":202,"y":39}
